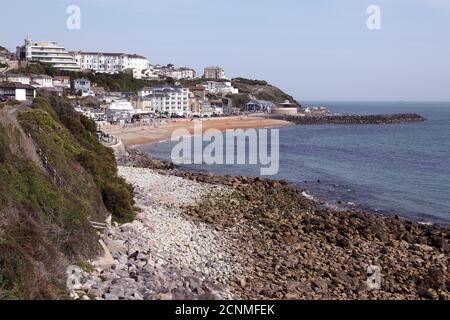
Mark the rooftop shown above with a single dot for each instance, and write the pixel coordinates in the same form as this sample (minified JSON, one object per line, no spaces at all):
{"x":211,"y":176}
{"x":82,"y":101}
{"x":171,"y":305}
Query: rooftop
{"x":15,"y":85}
{"x":110,"y":54}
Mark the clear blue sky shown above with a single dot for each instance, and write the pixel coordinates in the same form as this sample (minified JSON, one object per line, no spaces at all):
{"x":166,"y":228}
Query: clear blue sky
{"x":315,"y":49}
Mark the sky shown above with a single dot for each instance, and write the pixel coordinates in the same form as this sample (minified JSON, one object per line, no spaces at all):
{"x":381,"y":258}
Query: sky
{"x":312,"y":49}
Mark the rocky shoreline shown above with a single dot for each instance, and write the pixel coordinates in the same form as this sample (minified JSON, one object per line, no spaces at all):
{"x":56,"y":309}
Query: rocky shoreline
{"x":201,"y":236}
{"x":352,"y":119}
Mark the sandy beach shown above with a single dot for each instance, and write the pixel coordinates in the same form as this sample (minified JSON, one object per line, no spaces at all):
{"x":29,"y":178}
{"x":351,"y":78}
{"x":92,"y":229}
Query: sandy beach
{"x":138,"y":135}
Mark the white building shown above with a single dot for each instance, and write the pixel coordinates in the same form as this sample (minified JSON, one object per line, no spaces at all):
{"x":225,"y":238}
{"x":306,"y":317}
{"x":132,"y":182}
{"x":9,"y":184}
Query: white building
{"x":42,"y":81}
{"x":170,"y":71}
{"x":167,"y":100}
{"x":18,"y":78}
{"x":47,"y":52}
{"x":17,"y":91}
{"x":83,"y":85}
{"x":61,"y":82}
{"x":110,"y":62}
{"x":222,"y":88}
{"x":121,"y":106}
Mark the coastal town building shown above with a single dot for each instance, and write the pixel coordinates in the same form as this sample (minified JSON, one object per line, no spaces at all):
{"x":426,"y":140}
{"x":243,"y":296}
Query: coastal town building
{"x":223,"y":88}
{"x":119,"y":111}
{"x":82,"y":85}
{"x":172,"y":101}
{"x":285,"y":108}
{"x":121,"y":106}
{"x":198,"y":91}
{"x":111,"y":63}
{"x":41,"y":81}
{"x":61,"y":82}
{"x":170,"y":71}
{"x":19,"y":78}
{"x":259,"y":106}
{"x":17,"y":91}
{"x":215,"y":73}
{"x":47,"y":52}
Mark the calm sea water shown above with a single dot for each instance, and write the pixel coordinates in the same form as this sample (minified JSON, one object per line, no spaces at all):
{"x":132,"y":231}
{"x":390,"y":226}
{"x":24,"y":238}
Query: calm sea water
{"x":395,"y":169}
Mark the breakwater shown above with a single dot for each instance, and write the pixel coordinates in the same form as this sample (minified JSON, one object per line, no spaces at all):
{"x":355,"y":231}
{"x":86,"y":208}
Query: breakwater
{"x":351,"y":119}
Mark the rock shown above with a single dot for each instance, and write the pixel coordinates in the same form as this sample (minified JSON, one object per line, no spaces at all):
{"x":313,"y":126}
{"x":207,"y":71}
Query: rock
{"x":95,"y":292}
{"x":422,"y":247}
{"x":117,"y":292}
{"x":109,"y":296}
{"x":242,"y":282}
{"x":427,"y":293}
{"x":342,"y":241}
{"x":164,"y":296}
{"x":320,"y":285}
{"x":439,"y":242}
{"x":435,"y":278}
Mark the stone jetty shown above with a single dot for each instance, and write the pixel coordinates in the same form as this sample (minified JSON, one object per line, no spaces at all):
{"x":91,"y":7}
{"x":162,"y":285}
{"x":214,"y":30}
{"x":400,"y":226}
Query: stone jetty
{"x":351,"y":119}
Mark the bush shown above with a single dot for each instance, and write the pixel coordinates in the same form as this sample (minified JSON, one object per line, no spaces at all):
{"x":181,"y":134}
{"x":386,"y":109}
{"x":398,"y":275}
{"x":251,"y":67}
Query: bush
{"x":118,"y":198}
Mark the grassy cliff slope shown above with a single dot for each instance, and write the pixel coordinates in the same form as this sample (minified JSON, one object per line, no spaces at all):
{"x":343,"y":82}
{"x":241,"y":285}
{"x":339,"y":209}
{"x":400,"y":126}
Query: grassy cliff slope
{"x":45,"y":214}
{"x":258,"y":89}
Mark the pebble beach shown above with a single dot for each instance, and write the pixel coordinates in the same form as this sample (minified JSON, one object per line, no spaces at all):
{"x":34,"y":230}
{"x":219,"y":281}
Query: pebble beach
{"x":205,"y":237}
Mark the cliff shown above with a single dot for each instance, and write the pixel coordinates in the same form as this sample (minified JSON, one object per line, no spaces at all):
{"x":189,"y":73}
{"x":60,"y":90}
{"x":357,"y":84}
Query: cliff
{"x":55,"y":177}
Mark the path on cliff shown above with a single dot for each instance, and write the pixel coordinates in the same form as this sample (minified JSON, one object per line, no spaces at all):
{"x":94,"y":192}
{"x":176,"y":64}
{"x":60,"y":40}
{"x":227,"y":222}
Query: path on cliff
{"x":23,"y":106}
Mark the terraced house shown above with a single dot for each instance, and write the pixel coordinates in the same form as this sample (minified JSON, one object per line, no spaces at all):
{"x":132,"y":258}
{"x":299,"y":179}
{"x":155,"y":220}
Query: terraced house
{"x":110,"y":62}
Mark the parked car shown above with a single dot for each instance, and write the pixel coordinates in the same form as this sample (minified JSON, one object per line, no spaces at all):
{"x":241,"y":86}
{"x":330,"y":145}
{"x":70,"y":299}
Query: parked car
{"x":3,"y":98}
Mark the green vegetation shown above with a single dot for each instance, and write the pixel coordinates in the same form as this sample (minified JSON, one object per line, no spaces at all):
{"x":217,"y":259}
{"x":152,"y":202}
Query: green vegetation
{"x":40,"y":223}
{"x":9,"y":103}
{"x":251,"y":82}
{"x":85,"y":266}
{"x":76,"y":135}
{"x":45,"y":222}
{"x":3,"y":65}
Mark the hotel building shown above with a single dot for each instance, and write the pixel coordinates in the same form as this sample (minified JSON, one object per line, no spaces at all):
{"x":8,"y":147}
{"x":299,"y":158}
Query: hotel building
{"x":172,"y":101}
{"x":111,"y":62}
{"x":47,"y":52}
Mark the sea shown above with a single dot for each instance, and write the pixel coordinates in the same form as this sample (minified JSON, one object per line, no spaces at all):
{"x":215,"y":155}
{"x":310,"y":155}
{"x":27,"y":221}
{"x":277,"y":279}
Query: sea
{"x":393,"y":169}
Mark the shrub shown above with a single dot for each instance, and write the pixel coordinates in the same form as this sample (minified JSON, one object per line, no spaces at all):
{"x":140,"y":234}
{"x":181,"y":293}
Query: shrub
{"x":251,"y":82}
{"x":118,"y":199}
